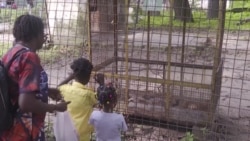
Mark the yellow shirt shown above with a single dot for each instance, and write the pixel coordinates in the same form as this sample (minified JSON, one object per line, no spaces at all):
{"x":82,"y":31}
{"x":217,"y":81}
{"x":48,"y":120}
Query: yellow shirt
{"x":82,"y":101}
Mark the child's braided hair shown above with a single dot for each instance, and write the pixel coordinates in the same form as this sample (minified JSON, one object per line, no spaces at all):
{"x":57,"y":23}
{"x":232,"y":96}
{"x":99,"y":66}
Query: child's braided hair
{"x":106,"y":94}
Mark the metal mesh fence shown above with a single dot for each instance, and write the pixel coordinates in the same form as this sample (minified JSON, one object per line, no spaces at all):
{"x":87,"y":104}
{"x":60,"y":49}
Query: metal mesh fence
{"x":181,"y":68}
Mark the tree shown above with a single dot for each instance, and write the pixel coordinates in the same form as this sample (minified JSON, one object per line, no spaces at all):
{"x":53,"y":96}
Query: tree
{"x":213,"y":9}
{"x":106,"y":14}
{"x":31,"y":3}
{"x":182,"y":10}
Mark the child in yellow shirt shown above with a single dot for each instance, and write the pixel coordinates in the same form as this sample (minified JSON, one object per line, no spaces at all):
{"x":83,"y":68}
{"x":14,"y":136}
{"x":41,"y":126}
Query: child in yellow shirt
{"x":82,"y":98}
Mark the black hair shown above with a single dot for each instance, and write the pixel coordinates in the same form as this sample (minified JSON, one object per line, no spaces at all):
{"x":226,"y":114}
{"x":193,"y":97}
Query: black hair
{"x":82,"y":69}
{"x":106,"y":94}
{"x":27,"y":27}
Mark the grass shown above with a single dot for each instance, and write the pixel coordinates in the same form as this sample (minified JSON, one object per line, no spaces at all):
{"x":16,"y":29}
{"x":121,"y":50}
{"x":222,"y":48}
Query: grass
{"x":7,"y":14}
{"x":189,"y":137}
{"x":4,"y":48}
{"x":240,"y":4}
{"x":200,"y":19}
{"x":47,"y":56}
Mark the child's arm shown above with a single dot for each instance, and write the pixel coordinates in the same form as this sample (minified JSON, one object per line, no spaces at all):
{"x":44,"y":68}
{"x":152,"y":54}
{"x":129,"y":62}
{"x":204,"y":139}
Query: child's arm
{"x":93,"y":99}
{"x":124,"y":125}
{"x":91,"y":118}
{"x":99,"y":78}
{"x":67,"y":80}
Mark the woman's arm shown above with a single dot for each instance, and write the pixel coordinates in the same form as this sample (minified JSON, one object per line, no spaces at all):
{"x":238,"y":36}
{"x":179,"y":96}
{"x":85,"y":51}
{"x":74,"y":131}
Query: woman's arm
{"x":67,"y":80}
{"x":28,"y":103}
{"x":55,"y":94}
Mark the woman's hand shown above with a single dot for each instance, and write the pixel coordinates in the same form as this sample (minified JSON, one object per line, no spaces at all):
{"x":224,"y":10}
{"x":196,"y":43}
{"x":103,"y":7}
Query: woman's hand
{"x":55,"y":94}
{"x":60,"y":107}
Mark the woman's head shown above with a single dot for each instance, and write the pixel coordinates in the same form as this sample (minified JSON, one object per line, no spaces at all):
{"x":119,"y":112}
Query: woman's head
{"x":82,"y":69}
{"x":28,"y":28}
{"x":107,"y":96}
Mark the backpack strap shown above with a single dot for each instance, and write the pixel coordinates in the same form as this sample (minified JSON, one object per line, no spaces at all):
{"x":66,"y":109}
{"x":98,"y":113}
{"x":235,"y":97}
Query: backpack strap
{"x":17,"y":54}
{"x":15,"y":106}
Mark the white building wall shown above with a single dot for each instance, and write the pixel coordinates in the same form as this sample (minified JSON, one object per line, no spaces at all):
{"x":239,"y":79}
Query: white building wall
{"x":62,"y":11}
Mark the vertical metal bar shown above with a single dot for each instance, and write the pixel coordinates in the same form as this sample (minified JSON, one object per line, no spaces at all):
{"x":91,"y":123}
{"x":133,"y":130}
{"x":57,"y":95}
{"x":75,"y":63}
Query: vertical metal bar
{"x":89,"y":32}
{"x":47,"y":15}
{"x":220,"y":33}
{"x":183,"y":47}
{"x":148,"y":50}
{"x":133,"y":40}
{"x":115,"y":34}
{"x":217,"y":57}
{"x":137,"y":11}
{"x":126,"y":55}
{"x":164,"y":78}
{"x":169,"y":49}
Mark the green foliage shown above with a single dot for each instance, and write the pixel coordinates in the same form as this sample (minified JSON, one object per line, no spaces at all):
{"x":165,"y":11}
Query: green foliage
{"x":49,"y":131}
{"x":188,"y":137}
{"x":47,"y":56}
{"x":204,"y":131}
{"x":240,"y":4}
{"x":4,"y":48}
{"x":200,"y":19}
{"x":9,"y":15}
{"x":194,"y":3}
{"x":163,"y":21}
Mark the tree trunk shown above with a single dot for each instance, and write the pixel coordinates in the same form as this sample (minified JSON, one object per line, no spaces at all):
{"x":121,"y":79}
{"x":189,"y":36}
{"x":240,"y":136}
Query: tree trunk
{"x":213,"y":9}
{"x":182,"y":11}
{"x":105,"y":15}
{"x":121,"y":11}
{"x":82,"y":19}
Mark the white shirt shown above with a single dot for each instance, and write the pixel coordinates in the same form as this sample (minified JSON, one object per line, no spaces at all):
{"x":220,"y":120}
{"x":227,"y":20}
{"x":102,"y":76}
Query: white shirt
{"x":108,"y":126}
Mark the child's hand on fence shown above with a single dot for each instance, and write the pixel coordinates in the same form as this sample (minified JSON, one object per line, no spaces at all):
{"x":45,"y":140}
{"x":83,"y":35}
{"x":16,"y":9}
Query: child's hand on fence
{"x":126,"y":117}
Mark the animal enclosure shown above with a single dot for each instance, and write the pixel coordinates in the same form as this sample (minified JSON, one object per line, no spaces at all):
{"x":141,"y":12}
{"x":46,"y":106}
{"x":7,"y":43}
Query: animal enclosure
{"x":160,"y":74}
{"x":176,"y":66}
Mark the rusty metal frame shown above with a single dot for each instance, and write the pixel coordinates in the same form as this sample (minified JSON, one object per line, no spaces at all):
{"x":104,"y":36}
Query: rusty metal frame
{"x":166,"y":81}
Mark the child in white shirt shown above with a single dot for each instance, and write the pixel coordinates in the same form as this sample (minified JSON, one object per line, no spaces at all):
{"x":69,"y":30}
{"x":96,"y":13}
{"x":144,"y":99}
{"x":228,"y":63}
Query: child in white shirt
{"x":108,"y":125}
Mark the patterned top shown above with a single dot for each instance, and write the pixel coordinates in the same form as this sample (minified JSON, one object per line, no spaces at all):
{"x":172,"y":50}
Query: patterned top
{"x":28,"y":77}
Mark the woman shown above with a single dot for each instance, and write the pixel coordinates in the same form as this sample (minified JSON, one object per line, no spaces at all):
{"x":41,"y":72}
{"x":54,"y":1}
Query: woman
{"x":29,"y":83}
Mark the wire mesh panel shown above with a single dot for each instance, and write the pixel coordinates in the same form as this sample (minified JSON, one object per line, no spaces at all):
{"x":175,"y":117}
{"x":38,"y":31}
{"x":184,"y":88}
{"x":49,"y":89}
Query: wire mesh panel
{"x":168,"y":64}
{"x":180,"y":67}
{"x":66,"y":26}
{"x":166,"y":75}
